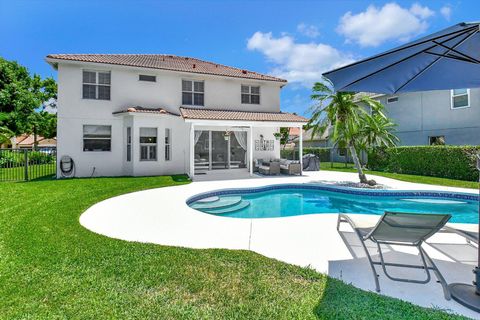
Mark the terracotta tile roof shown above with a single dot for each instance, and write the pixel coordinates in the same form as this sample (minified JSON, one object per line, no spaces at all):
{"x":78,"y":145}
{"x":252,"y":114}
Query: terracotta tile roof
{"x":138,"y":109}
{"x":294,"y":131}
{"x":166,"y":62}
{"x":210,"y":114}
{"x":26,"y":140}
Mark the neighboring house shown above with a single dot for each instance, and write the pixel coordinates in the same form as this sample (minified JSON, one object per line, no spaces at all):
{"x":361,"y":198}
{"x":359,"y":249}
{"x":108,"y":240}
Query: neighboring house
{"x":27,"y":141}
{"x":435,"y":117}
{"x":149,"y":114}
{"x":309,"y":141}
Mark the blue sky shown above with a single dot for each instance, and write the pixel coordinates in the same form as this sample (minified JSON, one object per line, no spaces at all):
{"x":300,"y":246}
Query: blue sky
{"x":297,"y":40}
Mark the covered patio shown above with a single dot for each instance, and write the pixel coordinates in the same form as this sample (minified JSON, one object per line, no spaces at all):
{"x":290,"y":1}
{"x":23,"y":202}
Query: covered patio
{"x":227,"y":142}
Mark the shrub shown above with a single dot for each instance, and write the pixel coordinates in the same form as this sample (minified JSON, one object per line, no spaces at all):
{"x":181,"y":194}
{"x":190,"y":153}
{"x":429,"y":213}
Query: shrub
{"x":10,"y":159}
{"x":38,"y":157}
{"x":453,"y":162}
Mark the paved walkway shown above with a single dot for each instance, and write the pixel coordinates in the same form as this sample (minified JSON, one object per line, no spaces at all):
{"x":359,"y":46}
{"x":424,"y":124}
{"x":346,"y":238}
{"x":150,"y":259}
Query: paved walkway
{"x":161,"y":216}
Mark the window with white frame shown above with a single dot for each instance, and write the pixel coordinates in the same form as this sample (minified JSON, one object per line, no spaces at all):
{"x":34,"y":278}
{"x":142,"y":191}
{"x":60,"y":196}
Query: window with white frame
{"x":129,"y":144}
{"x":97,"y":138}
{"x":168,"y":148}
{"x":96,"y":85}
{"x":193,"y":93}
{"x":460,"y":98}
{"x":148,"y":144}
{"x":250,"y":94}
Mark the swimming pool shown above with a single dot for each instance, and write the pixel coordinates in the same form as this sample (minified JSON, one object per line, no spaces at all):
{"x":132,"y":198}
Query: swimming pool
{"x":299,"y":199}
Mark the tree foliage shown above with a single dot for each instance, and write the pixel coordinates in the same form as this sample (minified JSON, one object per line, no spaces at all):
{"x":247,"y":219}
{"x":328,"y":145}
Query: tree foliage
{"x":284,"y":135}
{"x":22,"y":98}
{"x":351,"y":124}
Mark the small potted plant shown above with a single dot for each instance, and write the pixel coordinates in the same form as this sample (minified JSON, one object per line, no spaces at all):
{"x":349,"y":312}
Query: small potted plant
{"x":277,"y":135}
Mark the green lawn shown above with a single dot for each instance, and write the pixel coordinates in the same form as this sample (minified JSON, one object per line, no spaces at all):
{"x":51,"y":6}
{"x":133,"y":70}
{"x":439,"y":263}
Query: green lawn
{"x":403,"y":177}
{"x":53,"y":268}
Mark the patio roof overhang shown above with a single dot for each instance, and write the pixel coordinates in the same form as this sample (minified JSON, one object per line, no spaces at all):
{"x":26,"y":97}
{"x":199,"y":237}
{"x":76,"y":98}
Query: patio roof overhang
{"x":204,"y":116}
{"x":239,"y":123}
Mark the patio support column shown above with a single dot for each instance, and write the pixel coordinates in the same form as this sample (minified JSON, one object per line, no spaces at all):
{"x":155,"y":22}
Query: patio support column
{"x":250,"y":150}
{"x":300,"y":150}
{"x":192,"y":151}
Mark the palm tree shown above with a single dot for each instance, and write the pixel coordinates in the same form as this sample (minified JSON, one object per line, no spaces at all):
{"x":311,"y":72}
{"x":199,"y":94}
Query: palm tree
{"x":351,"y":124}
{"x":377,"y":130}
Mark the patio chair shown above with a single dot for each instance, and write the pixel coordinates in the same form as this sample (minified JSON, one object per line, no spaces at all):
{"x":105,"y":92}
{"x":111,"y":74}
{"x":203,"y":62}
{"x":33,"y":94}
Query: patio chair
{"x":468,"y":231}
{"x":290,"y":167}
{"x":402,"y":229}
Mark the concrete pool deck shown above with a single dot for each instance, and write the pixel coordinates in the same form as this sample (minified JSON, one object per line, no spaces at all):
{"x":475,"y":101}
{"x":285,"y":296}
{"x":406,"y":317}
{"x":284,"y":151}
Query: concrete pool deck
{"x":161,"y":216}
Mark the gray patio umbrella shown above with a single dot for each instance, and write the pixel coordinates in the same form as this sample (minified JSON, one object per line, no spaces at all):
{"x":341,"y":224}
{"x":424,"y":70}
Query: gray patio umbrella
{"x":448,"y":59}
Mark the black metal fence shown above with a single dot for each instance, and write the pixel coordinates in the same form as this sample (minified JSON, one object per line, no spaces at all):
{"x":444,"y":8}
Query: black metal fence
{"x":27,"y":164}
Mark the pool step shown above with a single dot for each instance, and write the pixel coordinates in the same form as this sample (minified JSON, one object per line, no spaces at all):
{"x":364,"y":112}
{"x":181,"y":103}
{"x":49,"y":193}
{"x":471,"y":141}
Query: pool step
{"x":209,"y":199}
{"x":223,"y":202}
{"x":239,"y":206}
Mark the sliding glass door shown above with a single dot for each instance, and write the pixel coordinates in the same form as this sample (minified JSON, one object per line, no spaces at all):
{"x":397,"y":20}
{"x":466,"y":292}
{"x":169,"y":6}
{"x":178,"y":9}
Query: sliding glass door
{"x":219,"y":150}
{"x":215,"y":150}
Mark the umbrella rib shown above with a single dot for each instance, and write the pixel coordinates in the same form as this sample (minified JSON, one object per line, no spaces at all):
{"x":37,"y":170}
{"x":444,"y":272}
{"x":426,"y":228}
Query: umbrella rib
{"x":400,"y":61}
{"x":451,"y":56}
{"x":435,"y":61}
{"x":457,"y":52}
{"x":403,"y":48}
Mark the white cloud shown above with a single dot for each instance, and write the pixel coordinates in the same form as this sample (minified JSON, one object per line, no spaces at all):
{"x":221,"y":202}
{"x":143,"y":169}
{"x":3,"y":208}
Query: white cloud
{"x":446,"y":12}
{"x":308,"y":30}
{"x":421,"y":12}
{"x":301,"y":63}
{"x":375,"y":25}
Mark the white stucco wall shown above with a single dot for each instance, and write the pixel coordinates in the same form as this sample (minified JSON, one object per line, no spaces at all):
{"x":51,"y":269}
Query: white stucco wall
{"x":126,"y":91}
{"x":267,"y":133}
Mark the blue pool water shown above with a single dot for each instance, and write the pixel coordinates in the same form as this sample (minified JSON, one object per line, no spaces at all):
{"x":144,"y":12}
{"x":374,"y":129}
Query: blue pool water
{"x":293,"y":200}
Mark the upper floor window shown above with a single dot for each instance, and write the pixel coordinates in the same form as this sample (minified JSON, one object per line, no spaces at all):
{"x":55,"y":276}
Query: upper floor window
{"x":250,"y":94}
{"x":392,"y":99}
{"x":97,"y":138}
{"x":193,"y":93}
{"x":145,"y":77}
{"x":460,"y":98}
{"x":96,"y":85}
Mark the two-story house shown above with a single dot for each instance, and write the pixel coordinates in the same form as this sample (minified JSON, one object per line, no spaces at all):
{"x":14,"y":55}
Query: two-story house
{"x":149,"y":114}
{"x":435,"y":117}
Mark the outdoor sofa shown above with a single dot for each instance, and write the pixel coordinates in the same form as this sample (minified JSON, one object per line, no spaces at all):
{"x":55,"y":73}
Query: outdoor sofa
{"x":271,"y":167}
{"x":290,"y":167}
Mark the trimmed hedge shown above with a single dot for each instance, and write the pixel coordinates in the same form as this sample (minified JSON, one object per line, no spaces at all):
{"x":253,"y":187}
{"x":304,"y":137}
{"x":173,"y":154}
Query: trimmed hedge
{"x":452,"y":162}
{"x":322,"y":153}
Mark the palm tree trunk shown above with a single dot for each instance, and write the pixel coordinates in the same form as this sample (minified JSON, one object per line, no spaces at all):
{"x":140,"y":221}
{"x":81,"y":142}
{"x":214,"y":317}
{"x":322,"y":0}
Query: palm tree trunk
{"x":356,"y":161}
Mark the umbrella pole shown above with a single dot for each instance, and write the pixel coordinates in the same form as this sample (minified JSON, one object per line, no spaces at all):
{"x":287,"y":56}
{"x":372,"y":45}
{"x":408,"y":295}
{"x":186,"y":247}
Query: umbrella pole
{"x":466,"y":294}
